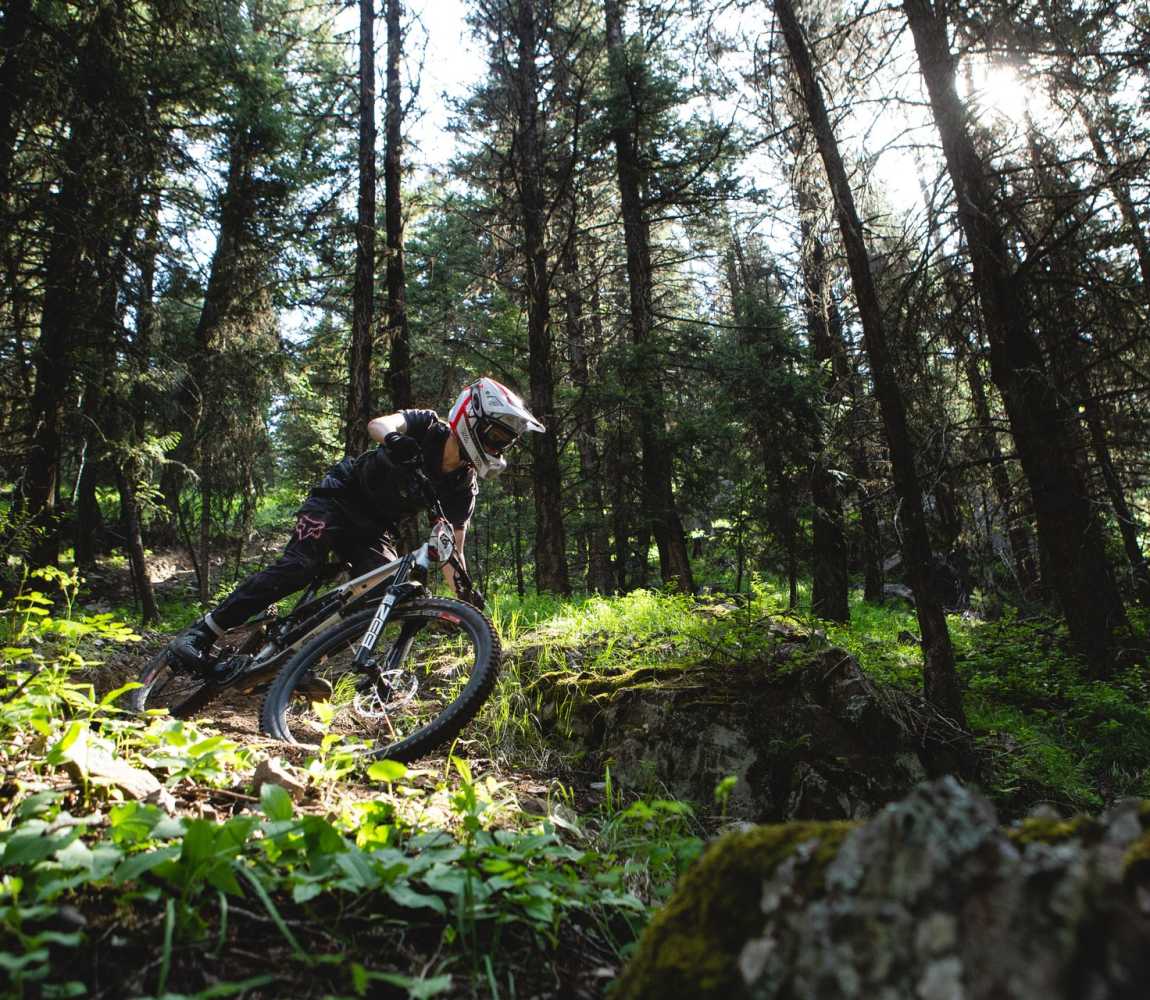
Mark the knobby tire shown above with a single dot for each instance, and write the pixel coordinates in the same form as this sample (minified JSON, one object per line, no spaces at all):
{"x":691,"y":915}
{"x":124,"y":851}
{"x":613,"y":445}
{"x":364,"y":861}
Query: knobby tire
{"x":163,"y":684}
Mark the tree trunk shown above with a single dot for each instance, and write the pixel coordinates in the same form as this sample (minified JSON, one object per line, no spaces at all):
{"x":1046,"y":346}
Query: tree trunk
{"x":1017,"y":535}
{"x":1127,"y":525}
{"x":1068,"y":530}
{"x":790,"y":545}
{"x":359,"y":403}
{"x":598,"y":540}
{"x":204,"y":559}
{"x":659,"y":508}
{"x":126,"y":470}
{"x":620,"y":502}
{"x":966,"y":350}
{"x":224,"y":298}
{"x":872,"y":551}
{"x":1120,"y":188}
{"x":940,"y":678}
{"x":829,"y":324}
{"x":15,"y":80}
{"x":550,"y":540}
{"x":88,"y":521}
{"x":830,"y":584}
{"x":69,"y":282}
{"x":516,"y":545}
{"x":399,"y":363}
{"x":134,"y":543}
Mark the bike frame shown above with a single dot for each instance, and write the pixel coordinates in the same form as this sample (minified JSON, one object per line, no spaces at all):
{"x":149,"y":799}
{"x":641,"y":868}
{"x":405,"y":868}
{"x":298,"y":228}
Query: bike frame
{"x":313,"y":615}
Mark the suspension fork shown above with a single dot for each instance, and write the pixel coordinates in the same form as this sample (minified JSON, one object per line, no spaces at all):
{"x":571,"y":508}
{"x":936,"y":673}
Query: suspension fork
{"x":400,"y":589}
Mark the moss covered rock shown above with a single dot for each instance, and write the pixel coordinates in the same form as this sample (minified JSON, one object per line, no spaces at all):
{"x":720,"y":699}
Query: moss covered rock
{"x":804,"y":731}
{"x":929,"y":900}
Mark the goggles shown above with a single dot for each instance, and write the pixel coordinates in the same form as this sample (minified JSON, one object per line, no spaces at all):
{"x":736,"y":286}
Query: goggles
{"x":494,"y":437}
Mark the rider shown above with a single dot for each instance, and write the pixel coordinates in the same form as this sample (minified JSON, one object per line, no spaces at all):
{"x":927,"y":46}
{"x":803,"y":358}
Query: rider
{"x":356,"y":507}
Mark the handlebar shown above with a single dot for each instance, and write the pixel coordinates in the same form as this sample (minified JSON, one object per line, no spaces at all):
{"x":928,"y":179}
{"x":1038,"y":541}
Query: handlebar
{"x":465,"y":588}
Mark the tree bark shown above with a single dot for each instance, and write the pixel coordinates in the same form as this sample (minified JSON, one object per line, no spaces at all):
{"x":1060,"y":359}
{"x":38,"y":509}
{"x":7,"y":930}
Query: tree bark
{"x":1043,"y":429}
{"x":126,"y":469}
{"x":1127,"y":525}
{"x":15,"y":80}
{"x":134,"y":543}
{"x":1016,"y":533}
{"x":88,"y":522}
{"x":69,"y":282}
{"x":941,"y":684}
{"x":550,"y":539}
{"x":598,"y":540}
{"x":399,"y":363}
{"x":621,"y":520}
{"x":224,"y":299}
{"x":359,"y":398}
{"x":966,"y":349}
{"x":830,"y":584}
{"x":659,"y":508}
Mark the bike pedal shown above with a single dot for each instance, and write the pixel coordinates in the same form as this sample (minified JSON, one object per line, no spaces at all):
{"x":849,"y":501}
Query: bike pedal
{"x":222,"y":672}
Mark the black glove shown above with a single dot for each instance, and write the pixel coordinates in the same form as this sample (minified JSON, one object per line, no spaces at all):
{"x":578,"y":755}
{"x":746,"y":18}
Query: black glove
{"x":401,"y":449}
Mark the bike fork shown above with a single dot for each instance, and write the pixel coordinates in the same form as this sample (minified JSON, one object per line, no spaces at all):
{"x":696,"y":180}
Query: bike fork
{"x":400,"y":588}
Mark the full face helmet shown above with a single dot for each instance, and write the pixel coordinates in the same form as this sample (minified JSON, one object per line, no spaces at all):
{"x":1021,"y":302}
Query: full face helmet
{"x":488,"y":419}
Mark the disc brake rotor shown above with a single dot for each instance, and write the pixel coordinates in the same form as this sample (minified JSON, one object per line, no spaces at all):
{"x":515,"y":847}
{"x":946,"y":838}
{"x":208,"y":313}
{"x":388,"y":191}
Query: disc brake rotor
{"x":401,"y":688}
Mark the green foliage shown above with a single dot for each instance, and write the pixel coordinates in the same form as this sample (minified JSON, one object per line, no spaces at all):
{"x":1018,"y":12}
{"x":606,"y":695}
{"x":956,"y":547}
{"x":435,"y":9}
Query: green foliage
{"x":1059,"y":735}
{"x":642,"y":629}
{"x":1048,"y":731}
{"x":446,"y":852}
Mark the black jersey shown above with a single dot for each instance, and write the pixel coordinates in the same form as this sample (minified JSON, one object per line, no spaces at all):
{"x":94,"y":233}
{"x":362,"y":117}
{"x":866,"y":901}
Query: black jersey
{"x":374,"y":494}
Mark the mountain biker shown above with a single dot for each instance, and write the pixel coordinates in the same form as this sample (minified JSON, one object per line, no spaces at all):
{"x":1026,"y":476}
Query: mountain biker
{"x":355,"y":509}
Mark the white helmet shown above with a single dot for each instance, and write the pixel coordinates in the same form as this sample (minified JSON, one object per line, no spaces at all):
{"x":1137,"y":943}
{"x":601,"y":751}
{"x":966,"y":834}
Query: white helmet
{"x":488,"y":418}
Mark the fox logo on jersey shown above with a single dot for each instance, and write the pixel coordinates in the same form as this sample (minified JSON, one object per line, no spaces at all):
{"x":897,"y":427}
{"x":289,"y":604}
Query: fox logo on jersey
{"x":309,"y":527}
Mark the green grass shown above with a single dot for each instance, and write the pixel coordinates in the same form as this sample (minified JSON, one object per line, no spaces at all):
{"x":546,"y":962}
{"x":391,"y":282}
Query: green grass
{"x":1047,"y":732}
{"x":1050,"y":734}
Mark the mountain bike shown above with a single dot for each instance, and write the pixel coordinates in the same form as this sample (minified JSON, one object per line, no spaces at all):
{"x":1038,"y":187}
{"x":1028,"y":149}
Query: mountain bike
{"x":377,"y":658}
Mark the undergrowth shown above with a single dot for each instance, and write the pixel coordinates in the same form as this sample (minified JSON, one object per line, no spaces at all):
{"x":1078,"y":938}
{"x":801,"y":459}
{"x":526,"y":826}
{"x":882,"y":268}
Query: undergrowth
{"x":441,"y":880}
{"x":396,"y":882}
{"x":1046,"y":731}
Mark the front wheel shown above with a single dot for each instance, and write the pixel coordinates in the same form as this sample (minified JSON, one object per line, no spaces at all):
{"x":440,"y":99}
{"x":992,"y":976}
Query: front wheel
{"x":433,"y":667}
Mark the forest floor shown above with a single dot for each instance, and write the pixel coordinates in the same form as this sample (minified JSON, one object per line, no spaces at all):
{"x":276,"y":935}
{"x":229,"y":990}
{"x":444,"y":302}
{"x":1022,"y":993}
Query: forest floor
{"x":511,"y":869}
{"x":473,"y":875}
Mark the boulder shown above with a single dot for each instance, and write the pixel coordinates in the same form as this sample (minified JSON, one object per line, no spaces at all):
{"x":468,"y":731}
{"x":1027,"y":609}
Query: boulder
{"x":928,"y":900}
{"x":273,"y":771}
{"x":806,"y":734}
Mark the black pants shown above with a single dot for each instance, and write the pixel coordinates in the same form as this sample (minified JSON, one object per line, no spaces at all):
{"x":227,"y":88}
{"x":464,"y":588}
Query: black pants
{"x":318,"y":531}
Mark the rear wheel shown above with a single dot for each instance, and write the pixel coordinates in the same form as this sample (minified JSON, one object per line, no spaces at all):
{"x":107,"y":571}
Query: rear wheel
{"x":165,"y":683}
{"x":434,"y":665}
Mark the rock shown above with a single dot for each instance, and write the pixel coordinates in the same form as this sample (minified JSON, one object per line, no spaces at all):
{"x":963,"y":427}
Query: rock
{"x":274,"y":771}
{"x":805,"y":733}
{"x":90,"y":761}
{"x":899,"y":590}
{"x":164,"y":799}
{"x":928,"y":900}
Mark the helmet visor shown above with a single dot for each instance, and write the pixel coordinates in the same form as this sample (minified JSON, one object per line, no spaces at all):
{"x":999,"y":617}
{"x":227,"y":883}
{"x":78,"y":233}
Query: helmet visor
{"x":494,"y":437}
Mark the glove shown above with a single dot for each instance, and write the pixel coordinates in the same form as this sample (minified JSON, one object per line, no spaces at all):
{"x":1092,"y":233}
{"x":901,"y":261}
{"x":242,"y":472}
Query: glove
{"x":401,"y":449}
